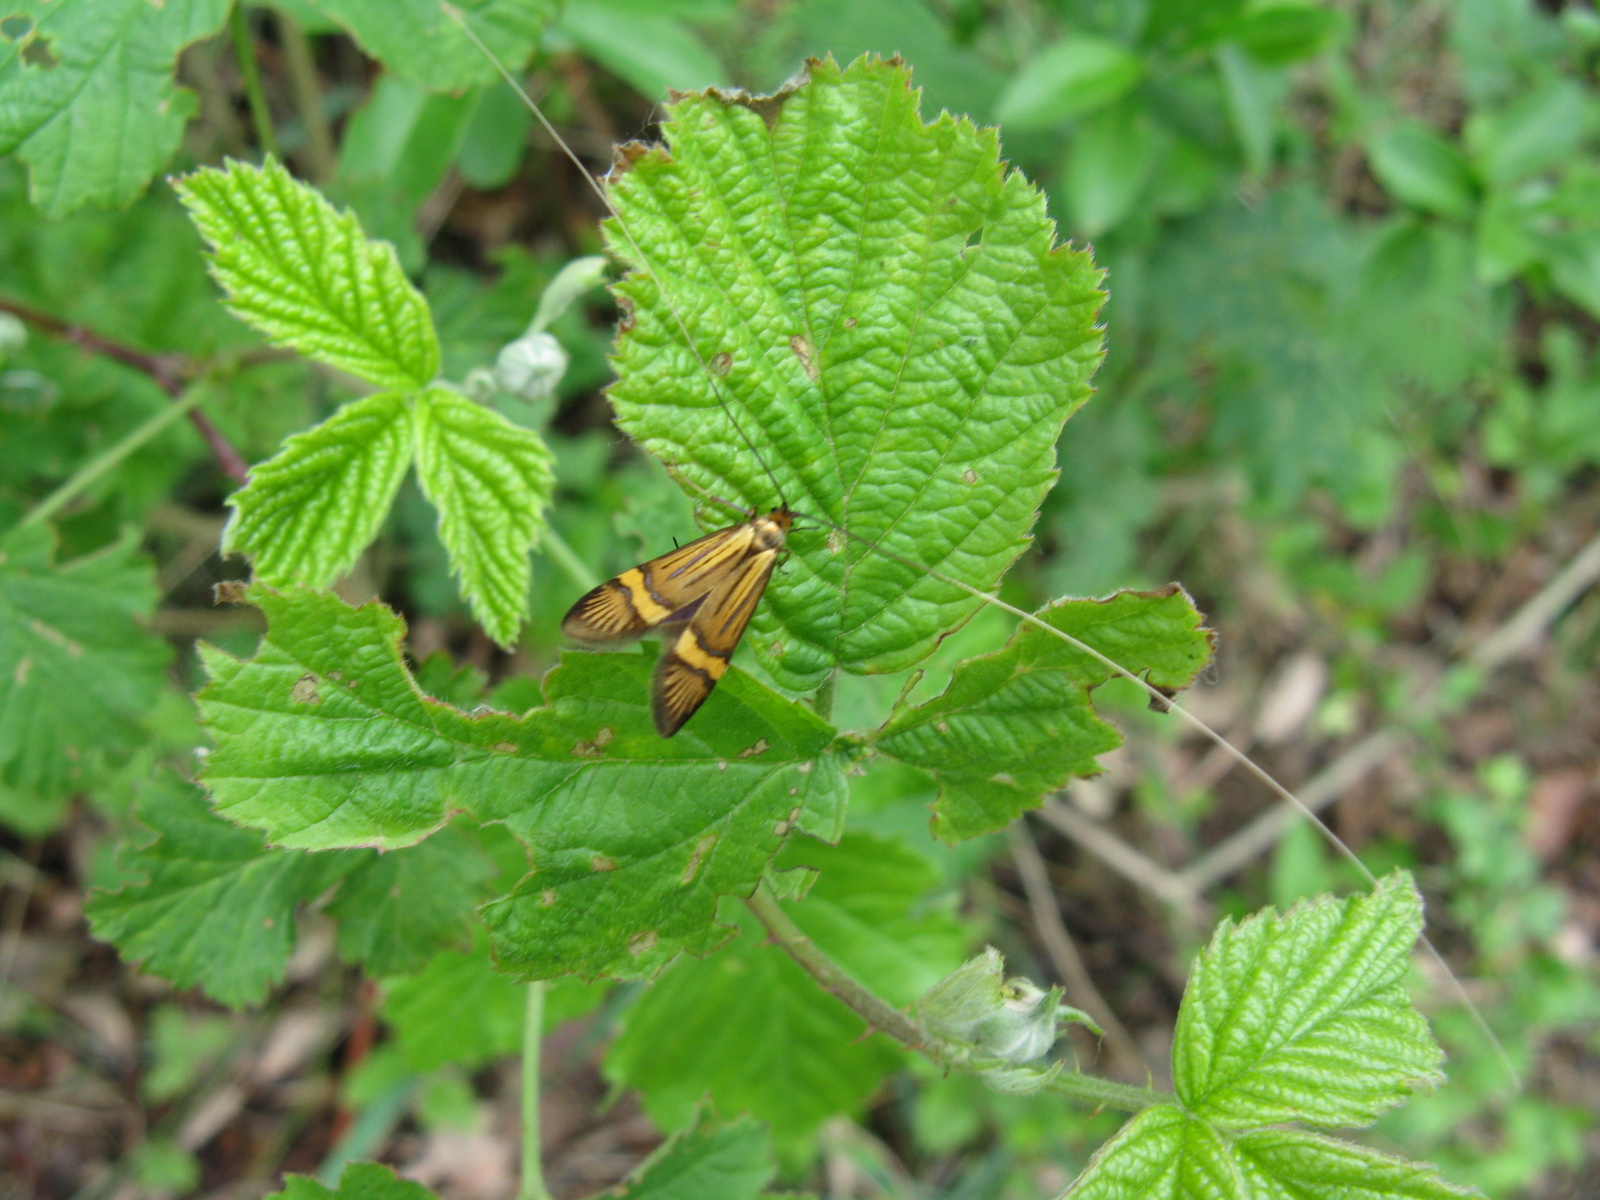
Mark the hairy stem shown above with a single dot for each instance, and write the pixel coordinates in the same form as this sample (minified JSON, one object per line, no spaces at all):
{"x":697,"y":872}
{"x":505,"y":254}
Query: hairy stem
{"x":532,"y":1034}
{"x":881,"y":1015}
{"x":250,"y":71}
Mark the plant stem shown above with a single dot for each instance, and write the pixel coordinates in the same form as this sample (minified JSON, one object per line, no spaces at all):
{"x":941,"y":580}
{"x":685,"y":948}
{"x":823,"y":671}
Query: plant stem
{"x":881,"y":1015}
{"x":250,"y":71}
{"x":170,"y":372}
{"x":563,"y":555}
{"x":301,"y":61}
{"x":98,"y":466}
{"x":532,"y":1034}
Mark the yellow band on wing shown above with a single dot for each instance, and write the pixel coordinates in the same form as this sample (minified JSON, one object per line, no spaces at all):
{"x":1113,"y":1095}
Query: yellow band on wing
{"x":692,"y":652}
{"x":649,"y":609}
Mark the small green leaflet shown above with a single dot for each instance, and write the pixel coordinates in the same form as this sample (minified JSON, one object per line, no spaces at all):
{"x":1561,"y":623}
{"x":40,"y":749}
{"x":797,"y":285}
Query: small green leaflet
{"x":1305,"y":1016}
{"x":705,"y":1163}
{"x":752,"y":1030}
{"x":90,"y":104}
{"x":308,"y":512}
{"x":1022,"y":715}
{"x":360,"y":1181}
{"x":490,"y":481}
{"x":416,"y":39}
{"x":323,"y":740}
{"x":305,"y":274}
{"x":78,"y":672}
{"x":885,"y":312}
{"x":215,"y":907}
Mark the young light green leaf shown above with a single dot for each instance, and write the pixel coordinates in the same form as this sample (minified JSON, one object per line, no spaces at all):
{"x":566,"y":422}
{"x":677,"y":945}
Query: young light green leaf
{"x":416,"y":39}
{"x":78,"y":672}
{"x":887,"y":317}
{"x":705,"y":1163}
{"x":751,"y":1029}
{"x":1018,"y":723}
{"x":360,"y":1181}
{"x":459,"y":1010}
{"x":1305,"y":1016}
{"x":90,"y":103}
{"x":1162,"y":1154}
{"x":323,"y":739}
{"x":1074,"y":76}
{"x":216,"y":906}
{"x":1283,"y":1164}
{"x":491,"y":481}
{"x":303,"y":273}
{"x":310,"y":510}
{"x":1424,"y":170}
{"x":396,"y":909}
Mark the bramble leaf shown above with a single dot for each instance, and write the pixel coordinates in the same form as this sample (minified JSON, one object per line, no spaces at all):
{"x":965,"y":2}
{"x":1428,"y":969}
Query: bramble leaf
{"x":216,"y":906}
{"x":751,"y":1029}
{"x":1283,"y":1164}
{"x":414,"y":38}
{"x":324,"y":740}
{"x":491,"y":481}
{"x":458,"y":1009}
{"x":310,"y":510}
{"x":705,"y":1163}
{"x":78,"y":673}
{"x":1305,"y":1016}
{"x":1018,"y":723}
{"x":305,"y":275}
{"x":89,"y":101}
{"x":360,"y":1181}
{"x":1162,"y":1154}
{"x":396,"y":909}
{"x":890,"y":323}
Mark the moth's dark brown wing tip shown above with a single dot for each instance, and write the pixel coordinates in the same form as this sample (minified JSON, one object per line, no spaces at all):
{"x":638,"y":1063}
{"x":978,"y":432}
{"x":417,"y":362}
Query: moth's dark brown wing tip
{"x":677,"y":691}
{"x":603,"y":616}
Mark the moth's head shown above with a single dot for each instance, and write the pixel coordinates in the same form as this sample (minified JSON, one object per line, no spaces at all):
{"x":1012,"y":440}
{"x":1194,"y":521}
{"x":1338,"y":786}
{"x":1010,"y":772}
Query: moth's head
{"x":773,"y":529}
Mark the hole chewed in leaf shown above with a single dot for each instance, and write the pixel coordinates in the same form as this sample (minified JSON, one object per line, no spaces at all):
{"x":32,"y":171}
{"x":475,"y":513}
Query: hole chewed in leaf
{"x":37,"y":52}
{"x":15,"y":26}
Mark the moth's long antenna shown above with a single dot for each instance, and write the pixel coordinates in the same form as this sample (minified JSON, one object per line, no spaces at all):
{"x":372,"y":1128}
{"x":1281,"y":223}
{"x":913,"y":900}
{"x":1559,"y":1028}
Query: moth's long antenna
{"x":1238,"y":755}
{"x":1155,"y":693}
{"x":454,"y":14}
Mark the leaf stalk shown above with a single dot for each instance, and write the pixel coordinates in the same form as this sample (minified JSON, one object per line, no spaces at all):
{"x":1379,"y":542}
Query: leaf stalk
{"x":250,"y":72}
{"x":883,"y":1016}
{"x":533,"y":1187}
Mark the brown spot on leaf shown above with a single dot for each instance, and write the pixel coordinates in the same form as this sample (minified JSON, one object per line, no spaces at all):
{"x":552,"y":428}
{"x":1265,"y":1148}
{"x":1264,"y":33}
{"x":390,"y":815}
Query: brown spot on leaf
{"x":306,"y":690}
{"x":721,"y":364}
{"x":804,"y":768}
{"x":807,"y":356}
{"x":504,"y":747}
{"x":642,"y":943}
{"x":701,"y":849}
{"x":601,"y":863}
{"x":942,"y":726}
{"x":761,"y":747}
{"x":850,"y":322}
{"x":969,"y":476}
{"x":21,"y":673}
{"x":547,"y":898}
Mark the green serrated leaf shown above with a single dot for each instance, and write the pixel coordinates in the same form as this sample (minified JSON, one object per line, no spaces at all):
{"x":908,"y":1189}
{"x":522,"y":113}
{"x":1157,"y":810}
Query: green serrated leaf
{"x":1305,"y":1016}
{"x":705,"y":1163}
{"x":1162,"y":1154}
{"x":360,"y":1181}
{"x":215,"y":906}
{"x":78,"y":672}
{"x":1076,"y":75}
{"x":323,"y":739}
{"x":751,"y":1029}
{"x":459,"y":1010}
{"x":890,"y":323}
{"x":89,"y":100}
{"x":303,"y":273}
{"x":416,"y":39}
{"x":1281,"y":1164}
{"x":491,"y":481}
{"x":1018,"y":723}
{"x":396,"y":909}
{"x":310,"y":510}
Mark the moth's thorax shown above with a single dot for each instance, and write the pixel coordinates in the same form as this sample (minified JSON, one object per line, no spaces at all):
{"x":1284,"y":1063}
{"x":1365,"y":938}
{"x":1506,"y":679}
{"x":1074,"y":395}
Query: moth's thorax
{"x":770,"y":532}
